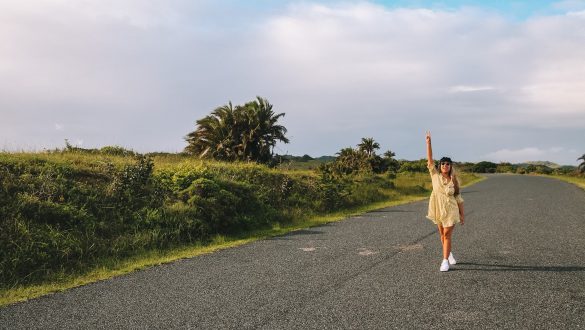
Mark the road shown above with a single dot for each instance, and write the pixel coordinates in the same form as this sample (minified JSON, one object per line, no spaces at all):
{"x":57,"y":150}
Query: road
{"x":521,"y":265}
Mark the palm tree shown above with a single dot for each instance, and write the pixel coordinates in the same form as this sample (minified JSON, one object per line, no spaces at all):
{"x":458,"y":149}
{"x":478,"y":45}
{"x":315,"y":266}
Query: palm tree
{"x":389,"y":154}
{"x":581,"y":167}
{"x":230,"y":133}
{"x":392,"y":164}
{"x":262,"y":131}
{"x":368,"y":145}
{"x":345,"y":152}
{"x":215,"y":136}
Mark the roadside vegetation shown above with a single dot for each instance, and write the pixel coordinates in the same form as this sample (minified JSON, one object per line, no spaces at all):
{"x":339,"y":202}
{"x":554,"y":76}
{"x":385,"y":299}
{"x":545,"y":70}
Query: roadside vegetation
{"x":67,"y":213}
{"x":576,"y":180}
{"x":571,"y":174}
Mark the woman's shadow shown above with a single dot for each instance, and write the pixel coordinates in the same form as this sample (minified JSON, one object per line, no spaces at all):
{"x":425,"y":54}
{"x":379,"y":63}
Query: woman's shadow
{"x":514,"y":268}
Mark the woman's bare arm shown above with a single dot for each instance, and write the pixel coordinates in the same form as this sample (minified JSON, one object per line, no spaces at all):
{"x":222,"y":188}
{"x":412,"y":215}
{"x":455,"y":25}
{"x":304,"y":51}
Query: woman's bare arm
{"x":461,"y":213}
{"x":430,"y":161}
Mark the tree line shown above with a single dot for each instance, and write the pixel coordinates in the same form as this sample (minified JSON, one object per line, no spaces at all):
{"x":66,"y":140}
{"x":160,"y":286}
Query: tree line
{"x":250,"y":132}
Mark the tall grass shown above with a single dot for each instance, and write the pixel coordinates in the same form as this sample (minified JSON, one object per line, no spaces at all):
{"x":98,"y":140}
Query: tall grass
{"x":579,"y":181}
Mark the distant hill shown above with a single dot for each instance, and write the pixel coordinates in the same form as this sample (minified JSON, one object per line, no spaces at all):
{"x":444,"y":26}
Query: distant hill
{"x":541,"y":162}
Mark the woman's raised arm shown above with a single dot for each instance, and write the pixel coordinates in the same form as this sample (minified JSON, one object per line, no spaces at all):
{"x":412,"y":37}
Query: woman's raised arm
{"x":430,"y":161}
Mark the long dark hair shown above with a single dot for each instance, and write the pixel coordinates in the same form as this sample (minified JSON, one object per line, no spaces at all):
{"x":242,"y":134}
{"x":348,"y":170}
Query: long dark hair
{"x":451,"y":173}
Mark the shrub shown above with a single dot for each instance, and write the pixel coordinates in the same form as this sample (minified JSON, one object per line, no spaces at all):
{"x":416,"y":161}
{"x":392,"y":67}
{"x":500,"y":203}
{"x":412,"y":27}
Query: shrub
{"x":541,"y":169}
{"x":60,"y":217}
{"x":117,"y":151}
{"x":565,"y":170}
{"x":64,"y":212}
{"x":506,"y":168}
{"x":485,"y":167}
{"x":227,"y":207}
{"x":418,"y":166}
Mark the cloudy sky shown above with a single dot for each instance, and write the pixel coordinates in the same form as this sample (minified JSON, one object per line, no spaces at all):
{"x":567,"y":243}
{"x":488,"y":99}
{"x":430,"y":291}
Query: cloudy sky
{"x":492,"y":80}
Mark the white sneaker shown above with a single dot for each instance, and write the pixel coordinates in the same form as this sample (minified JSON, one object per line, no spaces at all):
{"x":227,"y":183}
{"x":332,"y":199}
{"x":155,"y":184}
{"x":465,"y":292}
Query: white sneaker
{"x":452,"y":260}
{"x":444,"y":265}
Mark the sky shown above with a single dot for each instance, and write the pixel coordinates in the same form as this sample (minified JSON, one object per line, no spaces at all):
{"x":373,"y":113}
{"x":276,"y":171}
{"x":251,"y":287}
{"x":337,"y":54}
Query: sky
{"x":492,"y":80}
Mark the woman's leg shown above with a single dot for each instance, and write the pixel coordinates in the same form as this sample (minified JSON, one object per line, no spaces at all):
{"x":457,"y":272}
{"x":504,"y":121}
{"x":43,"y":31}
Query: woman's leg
{"x":441,"y":233}
{"x":447,"y":233}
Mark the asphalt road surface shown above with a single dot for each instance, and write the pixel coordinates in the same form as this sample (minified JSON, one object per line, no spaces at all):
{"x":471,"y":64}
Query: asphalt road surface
{"x":521,"y":264}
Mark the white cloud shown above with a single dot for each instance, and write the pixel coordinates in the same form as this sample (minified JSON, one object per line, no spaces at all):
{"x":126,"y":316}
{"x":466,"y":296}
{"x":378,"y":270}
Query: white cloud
{"x":142,"y":14}
{"x":580,"y":14}
{"x":466,"y":89}
{"x":58,"y":127}
{"x":139,"y":73}
{"x":570,"y":5}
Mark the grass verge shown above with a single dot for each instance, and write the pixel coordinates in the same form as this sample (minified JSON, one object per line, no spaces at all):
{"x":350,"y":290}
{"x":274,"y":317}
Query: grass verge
{"x":579,"y":182}
{"x":112,"y":268}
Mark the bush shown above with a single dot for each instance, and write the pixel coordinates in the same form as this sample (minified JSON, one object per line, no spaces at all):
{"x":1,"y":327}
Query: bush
{"x":506,"y":168}
{"x":541,"y":169}
{"x":417,"y":166}
{"x":565,"y":170}
{"x":64,"y":212}
{"x":60,"y":217}
{"x":227,"y":207}
{"x":117,"y":151}
{"x":485,"y":167}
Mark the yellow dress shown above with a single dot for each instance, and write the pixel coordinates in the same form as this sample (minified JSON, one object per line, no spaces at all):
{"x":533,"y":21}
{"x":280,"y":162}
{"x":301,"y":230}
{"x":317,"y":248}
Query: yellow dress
{"x":443,"y":207}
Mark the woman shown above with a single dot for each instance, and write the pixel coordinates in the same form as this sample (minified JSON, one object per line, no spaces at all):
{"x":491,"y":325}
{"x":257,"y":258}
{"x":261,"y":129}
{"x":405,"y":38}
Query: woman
{"x":445,"y":204}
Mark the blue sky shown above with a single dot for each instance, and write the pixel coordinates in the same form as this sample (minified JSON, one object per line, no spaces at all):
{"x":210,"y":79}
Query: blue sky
{"x":493,"y":80}
{"x":515,"y":9}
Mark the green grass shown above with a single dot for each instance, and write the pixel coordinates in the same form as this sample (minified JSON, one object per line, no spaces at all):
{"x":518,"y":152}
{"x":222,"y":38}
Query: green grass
{"x":82,"y":160}
{"x":297,"y":165}
{"x":578,"y":181}
{"x":409,"y":188}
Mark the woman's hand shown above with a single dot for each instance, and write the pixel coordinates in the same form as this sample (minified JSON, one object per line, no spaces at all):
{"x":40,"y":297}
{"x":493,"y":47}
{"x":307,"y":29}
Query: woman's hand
{"x":428,"y":137}
{"x":462,"y":218}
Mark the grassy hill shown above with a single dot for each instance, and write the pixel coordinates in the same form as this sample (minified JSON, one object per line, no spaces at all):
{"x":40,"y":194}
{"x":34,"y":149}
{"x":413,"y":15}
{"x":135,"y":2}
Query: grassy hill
{"x":541,"y":163}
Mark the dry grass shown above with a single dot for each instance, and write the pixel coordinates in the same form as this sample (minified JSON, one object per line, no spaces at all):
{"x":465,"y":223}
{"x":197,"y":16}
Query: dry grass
{"x":578,"y":181}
